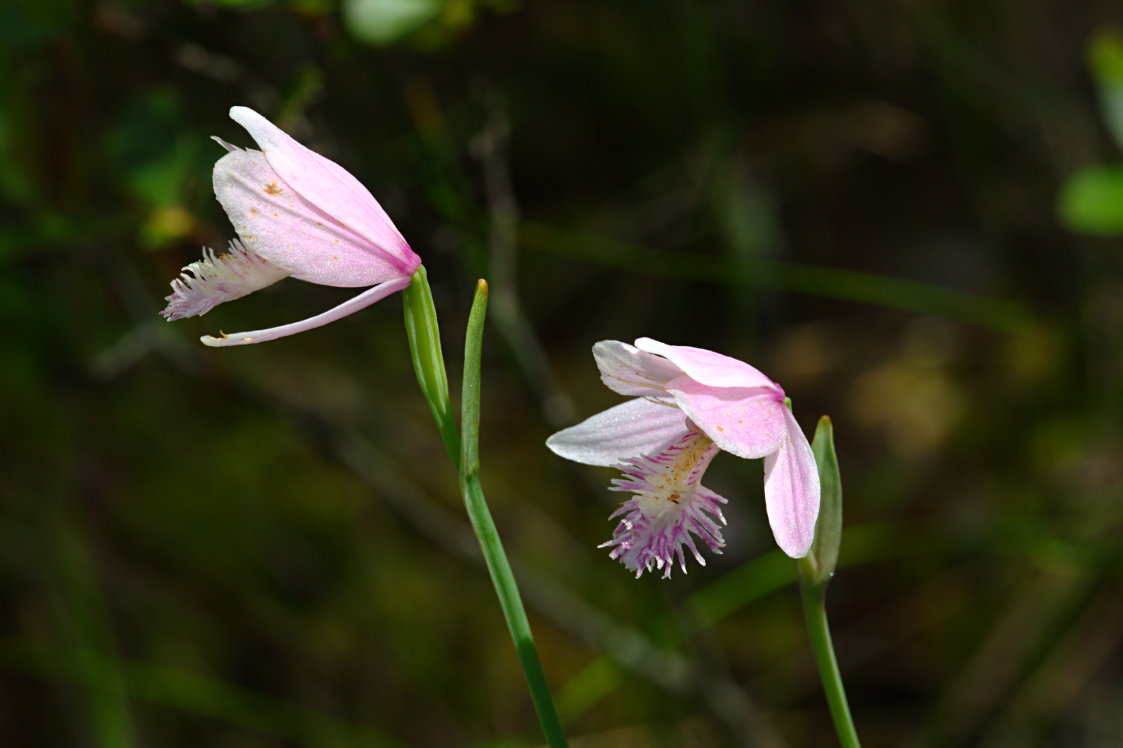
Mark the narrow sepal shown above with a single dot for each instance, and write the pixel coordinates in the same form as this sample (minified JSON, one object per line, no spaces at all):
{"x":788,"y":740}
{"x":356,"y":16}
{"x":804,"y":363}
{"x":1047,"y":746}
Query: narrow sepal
{"x":424,"y":335}
{"x":363,"y":300}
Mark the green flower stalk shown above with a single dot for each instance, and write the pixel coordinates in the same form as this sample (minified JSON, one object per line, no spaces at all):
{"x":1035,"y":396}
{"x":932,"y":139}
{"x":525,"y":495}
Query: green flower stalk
{"x":815,"y":571}
{"x":497,"y":565}
{"x":423,"y":332}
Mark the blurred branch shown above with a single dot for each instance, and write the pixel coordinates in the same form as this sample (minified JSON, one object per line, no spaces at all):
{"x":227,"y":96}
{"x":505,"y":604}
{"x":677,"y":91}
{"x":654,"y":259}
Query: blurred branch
{"x":147,"y":334}
{"x":195,"y":694}
{"x":1064,"y":674}
{"x":813,"y":280}
{"x":490,"y":147}
{"x":87,"y":630}
{"x":1028,"y":622}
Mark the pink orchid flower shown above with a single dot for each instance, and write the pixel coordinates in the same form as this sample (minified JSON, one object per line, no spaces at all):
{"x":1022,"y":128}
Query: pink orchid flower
{"x":689,"y":404}
{"x":297,"y":214}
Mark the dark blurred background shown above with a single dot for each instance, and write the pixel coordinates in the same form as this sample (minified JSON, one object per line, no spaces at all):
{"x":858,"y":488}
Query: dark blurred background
{"x":907,"y":213}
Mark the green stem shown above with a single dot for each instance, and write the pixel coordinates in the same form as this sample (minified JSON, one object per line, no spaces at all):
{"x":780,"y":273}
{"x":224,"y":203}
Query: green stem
{"x":815,"y":611}
{"x":497,"y":565}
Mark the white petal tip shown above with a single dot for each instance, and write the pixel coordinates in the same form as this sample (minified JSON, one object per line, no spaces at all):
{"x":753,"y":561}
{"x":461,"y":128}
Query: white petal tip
{"x":799,"y":550}
{"x":230,"y":148}
{"x":225,"y":341}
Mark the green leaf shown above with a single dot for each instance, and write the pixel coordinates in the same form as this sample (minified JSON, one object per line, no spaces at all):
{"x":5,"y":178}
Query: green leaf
{"x":152,"y":149}
{"x":1105,"y":55}
{"x":382,"y":22}
{"x":828,"y":528}
{"x":424,"y":334}
{"x":1091,"y":201}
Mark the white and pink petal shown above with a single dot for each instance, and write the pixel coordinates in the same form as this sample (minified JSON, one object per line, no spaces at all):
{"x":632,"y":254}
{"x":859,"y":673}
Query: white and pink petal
{"x":707,"y":367}
{"x":746,"y":422}
{"x":627,"y":370}
{"x":277,"y":223}
{"x":633,"y":428}
{"x":792,"y":491}
{"x":328,"y":186}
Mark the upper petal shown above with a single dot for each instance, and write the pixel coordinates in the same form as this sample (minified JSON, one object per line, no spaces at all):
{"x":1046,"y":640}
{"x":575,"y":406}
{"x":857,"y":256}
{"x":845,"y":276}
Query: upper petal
{"x":630,"y":371}
{"x":328,"y":186}
{"x":747,"y":422}
{"x":791,"y":491}
{"x":277,"y":223}
{"x":708,"y":367}
{"x":630,"y":429}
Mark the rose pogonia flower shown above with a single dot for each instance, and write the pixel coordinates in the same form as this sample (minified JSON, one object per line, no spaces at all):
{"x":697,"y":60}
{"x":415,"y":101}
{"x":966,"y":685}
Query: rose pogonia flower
{"x":689,"y":404}
{"x":297,"y":214}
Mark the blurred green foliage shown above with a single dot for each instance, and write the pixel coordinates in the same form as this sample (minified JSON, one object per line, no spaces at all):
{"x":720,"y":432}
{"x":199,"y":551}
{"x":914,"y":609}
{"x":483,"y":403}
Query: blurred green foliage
{"x":265,"y":546}
{"x":1091,"y":200}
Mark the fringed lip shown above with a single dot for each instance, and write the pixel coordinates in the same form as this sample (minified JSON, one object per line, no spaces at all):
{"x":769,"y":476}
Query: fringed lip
{"x":669,"y":509}
{"x":218,"y":278}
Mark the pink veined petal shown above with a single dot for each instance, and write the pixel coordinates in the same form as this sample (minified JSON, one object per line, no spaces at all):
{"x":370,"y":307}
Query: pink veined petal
{"x":288,"y":231}
{"x":791,"y":491}
{"x":624,"y":431}
{"x":746,"y":422}
{"x":365,"y":299}
{"x":630,"y":371}
{"x":328,"y":186}
{"x":708,"y":367}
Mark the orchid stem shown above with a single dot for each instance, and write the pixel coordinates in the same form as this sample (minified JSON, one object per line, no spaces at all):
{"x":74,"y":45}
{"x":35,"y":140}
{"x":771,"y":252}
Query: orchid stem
{"x":818,"y":629}
{"x":424,"y":336}
{"x":497,"y":565}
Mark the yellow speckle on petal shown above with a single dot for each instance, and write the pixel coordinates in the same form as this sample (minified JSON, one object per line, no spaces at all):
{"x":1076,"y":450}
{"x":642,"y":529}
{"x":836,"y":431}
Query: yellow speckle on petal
{"x":272,"y":189}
